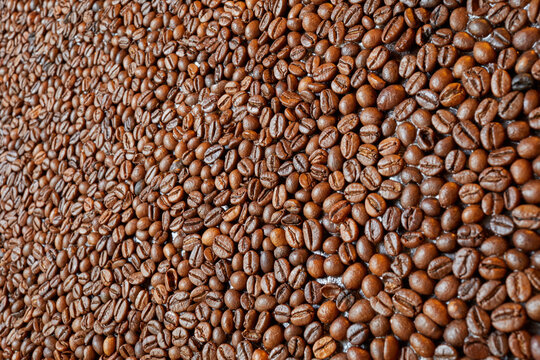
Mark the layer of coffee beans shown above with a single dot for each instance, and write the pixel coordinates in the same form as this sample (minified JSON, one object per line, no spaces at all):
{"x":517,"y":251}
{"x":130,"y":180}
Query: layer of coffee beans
{"x":269,"y":179}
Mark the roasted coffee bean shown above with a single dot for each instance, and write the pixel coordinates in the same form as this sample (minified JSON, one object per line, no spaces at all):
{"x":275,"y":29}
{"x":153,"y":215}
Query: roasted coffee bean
{"x":518,"y":287}
{"x":475,"y":347}
{"x":223,"y":246}
{"x":486,"y":111}
{"x":527,"y":216}
{"x":313,"y":332}
{"x":466,"y":135}
{"x":491,"y":294}
{"x":324,"y":347}
{"x":465,"y":263}
{"x":407,"y":302}
{"x":498,"y":344}
{"x":476,"y":81}
{"x":508,"y":317}
{"x":440,"y":267}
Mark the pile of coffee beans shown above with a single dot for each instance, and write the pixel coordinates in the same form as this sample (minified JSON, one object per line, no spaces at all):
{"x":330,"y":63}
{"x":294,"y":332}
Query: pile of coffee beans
{"x":269,"y":179}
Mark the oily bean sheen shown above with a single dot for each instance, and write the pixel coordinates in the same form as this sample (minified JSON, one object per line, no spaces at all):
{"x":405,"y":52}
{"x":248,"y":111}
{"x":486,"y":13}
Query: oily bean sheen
{"x":275,"y":179}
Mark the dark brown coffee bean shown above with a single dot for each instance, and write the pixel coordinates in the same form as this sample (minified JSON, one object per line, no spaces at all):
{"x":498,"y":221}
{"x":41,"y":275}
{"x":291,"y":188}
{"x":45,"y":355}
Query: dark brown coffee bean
{"x":467,"y":289}
{"x":390,"y":165}
{"x":501,"y":83}
{"x":302,"y":315}
{"x":427,"y":99}
{"x":494,"y":179}
{"x":390,"y":97}
{"x":478,"y":321}
{"x":431,"y":165}
{"x":502,"y":157}
{"x":313,"y":332}
{"x":393,"y":29}
{"x":443,"y":121}
{"x":357,"y":334}
{"x":377,"y":58}
{"x":324,"y":347}
{"x":492,"y":136}
{"x":382,"y":304}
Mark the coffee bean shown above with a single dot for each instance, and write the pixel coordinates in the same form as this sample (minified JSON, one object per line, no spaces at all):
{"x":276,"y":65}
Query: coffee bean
{"x":313,"y":332}
{"x":476,"y":81}
{"x":452,"y":95}
{"x":302,"y":315}
{"x":508,"y":317}
{"x":500,"y":83}
{"x":502,"y":225}
{"x":475,"y":347}
{"x":490,"y":295}
{"x":527,"y":216}
{"x":324,"y":347}
{"x":382,"y":304}
{"x":428,"y":99}
{"x":518,"y":343}
{"x":445,"y":351}
{"x":511,"y":105}
{"x":324,"y":72}
{"x":494,"y":179}
{"x":498,"y":343}
{"x":518,"y":287}
{"x":431,"y":165}
{"x":393,"y":29}
{"x":390,"y":165}
{"x":465,"y":263}
{"x":502,"y":156}
{"x":466,"y":135}
{"x":478,"y":321}
{"x":407,"y":302}
{"x":223,"y":246}
{"x":390,"y":97}
{"x":486,"y":111}
{"x":443,"y":121}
